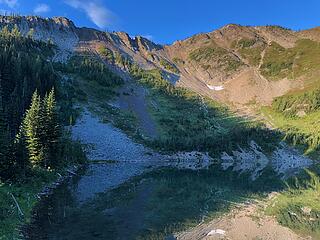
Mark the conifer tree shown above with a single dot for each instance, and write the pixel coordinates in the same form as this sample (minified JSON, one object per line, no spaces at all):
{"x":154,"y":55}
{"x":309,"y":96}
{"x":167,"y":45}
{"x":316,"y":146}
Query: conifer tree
{"x":4,"y":136}
{"x":15,"y":31}
{"x":5,"y":31}
{"x":51,"y":128}
{"x":31,"y":128}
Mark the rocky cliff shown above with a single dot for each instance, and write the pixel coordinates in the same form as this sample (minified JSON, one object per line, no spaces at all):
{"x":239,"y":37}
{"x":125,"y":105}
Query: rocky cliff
{"x":236,"y":64}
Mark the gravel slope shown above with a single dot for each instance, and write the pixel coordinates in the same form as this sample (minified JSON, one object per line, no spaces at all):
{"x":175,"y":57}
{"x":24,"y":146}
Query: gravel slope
{"x":115,"y":158}
{"x":119,"y":157}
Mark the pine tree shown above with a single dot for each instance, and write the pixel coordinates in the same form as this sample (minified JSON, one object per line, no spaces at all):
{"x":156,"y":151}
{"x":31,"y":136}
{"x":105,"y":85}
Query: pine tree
{"x":41,"y":131}
{"x":15,"y":31}
{"x":31,"y":128}
{"x":5,"y":31}
{"x":51,"y":127}
{"x":4,"y":135}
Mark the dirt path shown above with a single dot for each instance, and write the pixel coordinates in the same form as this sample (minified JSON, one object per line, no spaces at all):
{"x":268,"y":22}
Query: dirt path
{"x":245,"y":223}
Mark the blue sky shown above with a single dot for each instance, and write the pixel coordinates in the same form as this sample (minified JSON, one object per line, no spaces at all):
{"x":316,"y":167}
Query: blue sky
{"x":168,"y":20}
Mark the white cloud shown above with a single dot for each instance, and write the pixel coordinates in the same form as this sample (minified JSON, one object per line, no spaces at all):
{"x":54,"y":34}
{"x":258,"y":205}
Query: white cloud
{"x":41,"y":8}
{"x":9,"y":3}
{"x":95,"y":10}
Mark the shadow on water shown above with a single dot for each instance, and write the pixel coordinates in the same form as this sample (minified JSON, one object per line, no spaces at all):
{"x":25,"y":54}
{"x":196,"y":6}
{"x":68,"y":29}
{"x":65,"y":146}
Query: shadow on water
{"x":151,"y":206}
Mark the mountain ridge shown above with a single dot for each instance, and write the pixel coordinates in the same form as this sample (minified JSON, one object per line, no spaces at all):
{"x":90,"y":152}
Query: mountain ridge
{"x":230,"y":64}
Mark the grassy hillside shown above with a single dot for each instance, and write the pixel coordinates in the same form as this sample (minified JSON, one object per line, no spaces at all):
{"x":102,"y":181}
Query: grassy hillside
{"x":189,"y":122}
{"x":298,"y":207}
{"x":250,"y":49}
{"x":215,"y":57}
{"x":297,"y":115}
{"x":291,"y":63}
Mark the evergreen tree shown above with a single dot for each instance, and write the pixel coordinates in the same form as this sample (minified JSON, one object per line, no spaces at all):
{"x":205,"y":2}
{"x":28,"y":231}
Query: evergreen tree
{"x":4,"y":136}
{"x":51,"y":128}
{"x":5,"y":31}
{"x":41,"y":131}
{"x":34,"y":140}
{"x":15,"y":31}
{"x":31,"y":128}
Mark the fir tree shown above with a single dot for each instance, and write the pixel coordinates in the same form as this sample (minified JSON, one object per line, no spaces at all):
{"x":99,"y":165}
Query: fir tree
{"x":5,"y":31}
{"x":51,"y":128}
{"x":4,"y":136}
{"x":15,"y":31}
{"x":31,"y":128}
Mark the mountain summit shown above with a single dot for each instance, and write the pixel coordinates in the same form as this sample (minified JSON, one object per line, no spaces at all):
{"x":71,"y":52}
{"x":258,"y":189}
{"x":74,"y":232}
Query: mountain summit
{"x":235,"y":64}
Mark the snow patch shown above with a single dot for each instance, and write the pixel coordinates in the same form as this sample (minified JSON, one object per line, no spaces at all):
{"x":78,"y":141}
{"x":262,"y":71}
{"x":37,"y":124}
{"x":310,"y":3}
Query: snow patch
{"x":216,"y":231}
{"x":215,"y":88}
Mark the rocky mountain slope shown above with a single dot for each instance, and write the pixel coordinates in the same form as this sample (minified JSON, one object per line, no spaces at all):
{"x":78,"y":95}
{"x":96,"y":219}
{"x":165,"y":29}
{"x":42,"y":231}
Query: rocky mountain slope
{"x":235,"y":64}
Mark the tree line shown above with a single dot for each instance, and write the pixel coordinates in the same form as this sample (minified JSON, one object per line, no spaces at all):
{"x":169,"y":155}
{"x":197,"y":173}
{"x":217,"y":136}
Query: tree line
{"x":31,"y":135}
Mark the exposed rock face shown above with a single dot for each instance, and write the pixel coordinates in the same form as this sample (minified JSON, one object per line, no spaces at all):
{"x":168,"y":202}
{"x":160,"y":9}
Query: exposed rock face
{"x":61,"y":31}
{"x":231,"y":57}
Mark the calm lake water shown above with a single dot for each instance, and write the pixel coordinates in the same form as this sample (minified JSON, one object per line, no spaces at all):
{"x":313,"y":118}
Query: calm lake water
{"x":151,"y":206}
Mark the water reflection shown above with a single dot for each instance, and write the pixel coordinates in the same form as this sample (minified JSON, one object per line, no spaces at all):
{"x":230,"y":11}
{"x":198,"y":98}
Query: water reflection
{"x":151,"y":206}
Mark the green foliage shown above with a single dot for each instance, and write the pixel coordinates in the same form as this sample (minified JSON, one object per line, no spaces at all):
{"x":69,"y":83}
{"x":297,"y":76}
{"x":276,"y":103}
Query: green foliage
{"x":4,"y":134}
{"x":290,"y":104}
{"x":297,"y":115}
{"x":280,"y":62}
{"x":169,"y":66}
{"x":275,"y":27}
{"x":246,"y":43}
{"x":41,"y":132}
{"x":297,"y":137}
{"x":123,"y":62}
{"x":208,"y":54}
{"x":37,"y":140}
{"x":178,"y":61}
{"x":189,"y":122}
{"x":250,"y":49}
{"x":303,"y":131}
{"x":106,"y":53}
{"x":23,"y":68}
{"x":91,"y":69}
{"x":68,"y":93}
{"x":277,"y":62}
{"x":298,"y":207}
{"x":32,"y":131}
{"x":26,"y":194}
